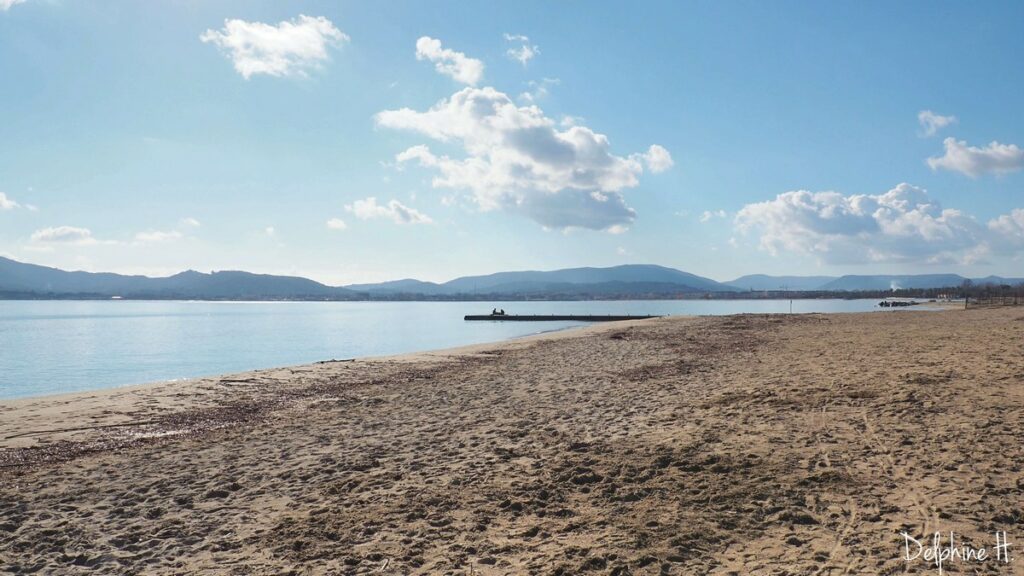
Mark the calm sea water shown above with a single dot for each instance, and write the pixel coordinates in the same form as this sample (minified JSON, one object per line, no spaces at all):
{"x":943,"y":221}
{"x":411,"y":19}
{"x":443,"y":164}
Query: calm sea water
{"x":59,"y":346}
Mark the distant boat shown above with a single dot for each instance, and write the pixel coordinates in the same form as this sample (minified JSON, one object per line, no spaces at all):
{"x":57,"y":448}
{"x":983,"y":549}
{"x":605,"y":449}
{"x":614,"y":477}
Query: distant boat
{"x":116,"y":298}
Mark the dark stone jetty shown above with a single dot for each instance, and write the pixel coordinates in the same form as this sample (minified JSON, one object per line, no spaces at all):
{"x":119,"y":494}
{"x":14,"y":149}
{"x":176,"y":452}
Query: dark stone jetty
{"x":554,"y":317}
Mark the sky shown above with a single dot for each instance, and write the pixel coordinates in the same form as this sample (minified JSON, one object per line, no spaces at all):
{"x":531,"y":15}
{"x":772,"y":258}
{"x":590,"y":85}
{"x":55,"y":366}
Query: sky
{"x":367,"y":141}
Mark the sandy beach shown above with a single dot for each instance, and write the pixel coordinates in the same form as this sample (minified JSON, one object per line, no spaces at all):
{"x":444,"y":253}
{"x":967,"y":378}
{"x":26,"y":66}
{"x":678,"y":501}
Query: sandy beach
{"x":752,"y":444}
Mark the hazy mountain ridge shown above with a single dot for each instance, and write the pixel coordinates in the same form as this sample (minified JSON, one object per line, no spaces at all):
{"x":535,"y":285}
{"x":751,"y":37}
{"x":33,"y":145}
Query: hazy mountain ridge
{"x":766,"y":282}
{"x":569,"y":280}
{"x":21,"y":280}
{"x":855,"y":282}
{"x":908,"y":281}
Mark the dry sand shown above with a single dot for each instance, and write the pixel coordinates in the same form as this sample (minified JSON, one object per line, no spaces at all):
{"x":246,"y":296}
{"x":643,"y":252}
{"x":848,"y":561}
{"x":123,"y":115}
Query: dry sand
{"x":745,"y":444}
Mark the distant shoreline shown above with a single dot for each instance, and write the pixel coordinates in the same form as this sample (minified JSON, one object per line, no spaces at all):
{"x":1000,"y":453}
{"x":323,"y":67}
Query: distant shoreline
{"x":872,"y":295}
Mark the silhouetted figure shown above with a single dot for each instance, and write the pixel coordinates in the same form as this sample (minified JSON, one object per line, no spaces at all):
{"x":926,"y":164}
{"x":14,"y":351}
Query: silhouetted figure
{"x":501,"y":312}
{"x":494,"y":311}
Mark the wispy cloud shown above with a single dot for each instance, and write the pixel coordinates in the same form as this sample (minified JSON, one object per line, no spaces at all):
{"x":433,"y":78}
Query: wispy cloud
{"x":931,"y":122}
{"x":64,"y":235}
{"x":156,"y":236}
{"x":538,"y":89}
{"x":973,"y":161}
{"x":6,"y":4}
{"x":394,"y":210}
{"x":290,"y":48}
{"x":7,"y":203}
{"x":524,"y":52}
{"x":709,"y":215}
{"x":457,"y":65}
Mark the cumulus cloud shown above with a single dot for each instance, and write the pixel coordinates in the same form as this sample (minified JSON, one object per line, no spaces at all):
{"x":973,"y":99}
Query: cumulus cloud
{"x":155,"y":236}
{"x":336,"y":224}
{"x":658,"y":159}
{"x":524,"y":52}
{"x":931,"y":122}
{"x":291,"y":48}
{"x":6,"y":4}
{"x":64,"y":235}
{"x":457,"y":65}
{"x":708,"y":215}
{"x":903,"y":224}
{"x":1009,"y":228}
{"x":995,"y":158}
{"x":519,"y":160}
{"x":394,"y":210}
{"x":7,"y":203}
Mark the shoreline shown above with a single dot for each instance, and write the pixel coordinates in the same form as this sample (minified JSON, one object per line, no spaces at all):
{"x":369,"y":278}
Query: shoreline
{"x":120,"y":406}
{"x":187,"y":380}
{"x":142,"y":386}
{"x":717,"y":444}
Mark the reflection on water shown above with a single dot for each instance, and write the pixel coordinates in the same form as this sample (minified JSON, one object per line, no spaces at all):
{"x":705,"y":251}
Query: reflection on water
{"x":49,"y":347}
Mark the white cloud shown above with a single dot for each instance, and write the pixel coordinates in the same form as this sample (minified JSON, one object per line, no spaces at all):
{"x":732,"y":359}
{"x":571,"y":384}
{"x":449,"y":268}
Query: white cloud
{"x":658,"y":159}
{"x":64,"y":235}
{"x":524,"y":52}
{"x":995,"y":158}
{"x":154,"y":236}
{"x":269,"y":231}
{"x":394,"y":210}
{"x":449,"y":62}
{"x":336,"y":224}
{"x":903,"y":224}
{"x":539,"y":90}
{"x":6,"y":4}
{"x":1009,"y":227}
{"x":931,"y":122}
{"x":189,"y":222}
{"x":708,"y":215}
{"x":517,"y":159}
{"x":7,"y":203}
{"x":289,"y":48}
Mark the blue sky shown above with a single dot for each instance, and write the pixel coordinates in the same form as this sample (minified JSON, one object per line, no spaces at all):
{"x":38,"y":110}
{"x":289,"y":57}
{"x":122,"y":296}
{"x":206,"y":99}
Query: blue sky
{"x":353,"y":142}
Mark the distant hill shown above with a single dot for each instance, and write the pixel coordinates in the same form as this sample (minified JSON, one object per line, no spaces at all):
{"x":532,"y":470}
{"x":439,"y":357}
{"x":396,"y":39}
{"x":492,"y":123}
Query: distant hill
{"x":17,"y":278}
{"x":765,"y":282}
{"x":21,"y":280}
{"x":407,"y":286}
{"x":892,"y":282}
{"x":638,"y":278}
{"x":853,"y":283}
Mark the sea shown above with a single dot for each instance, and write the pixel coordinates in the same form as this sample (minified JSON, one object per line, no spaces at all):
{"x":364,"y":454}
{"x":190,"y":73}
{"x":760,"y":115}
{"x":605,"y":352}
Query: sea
{"x":53,"y":347}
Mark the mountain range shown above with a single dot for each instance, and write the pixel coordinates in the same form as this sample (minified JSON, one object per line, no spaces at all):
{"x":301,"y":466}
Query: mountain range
{"x":852,"y":283}
{"x":22,"y":280}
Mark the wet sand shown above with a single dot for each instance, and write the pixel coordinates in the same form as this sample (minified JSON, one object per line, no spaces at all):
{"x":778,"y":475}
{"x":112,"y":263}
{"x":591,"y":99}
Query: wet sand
{"x":727,"y":445}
